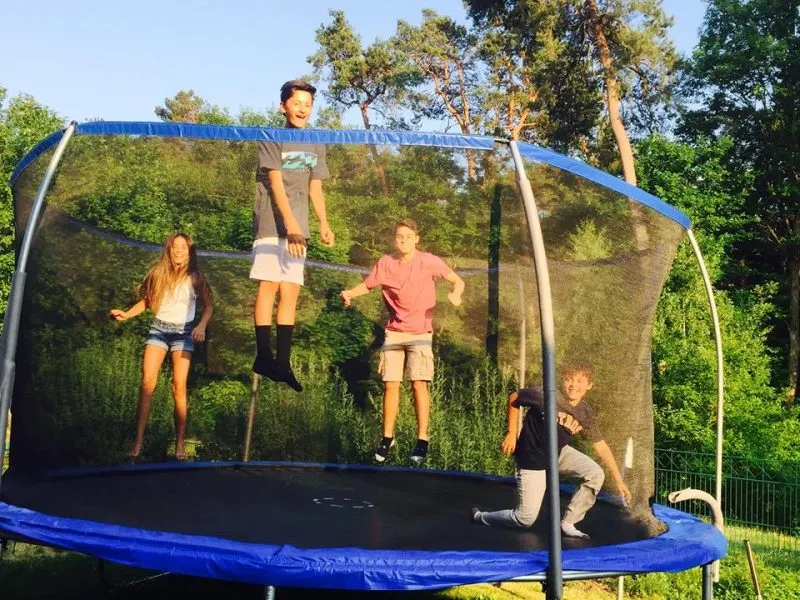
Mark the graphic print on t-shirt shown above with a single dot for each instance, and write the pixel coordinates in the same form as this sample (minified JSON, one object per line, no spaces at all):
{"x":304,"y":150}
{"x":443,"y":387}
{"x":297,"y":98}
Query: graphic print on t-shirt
{"x":298,"y":160}
{"x":568,"y":422}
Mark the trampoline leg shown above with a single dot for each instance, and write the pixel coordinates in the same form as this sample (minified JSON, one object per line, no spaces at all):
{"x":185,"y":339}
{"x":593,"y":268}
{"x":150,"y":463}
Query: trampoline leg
{"x":116,"y":587}
{"x":269,"y":592}
{"x":3,"y":544}
{"x":708,"y":582}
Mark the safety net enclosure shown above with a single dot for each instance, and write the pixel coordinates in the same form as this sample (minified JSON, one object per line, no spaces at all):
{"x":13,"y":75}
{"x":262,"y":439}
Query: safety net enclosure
{"x":292,"y":497}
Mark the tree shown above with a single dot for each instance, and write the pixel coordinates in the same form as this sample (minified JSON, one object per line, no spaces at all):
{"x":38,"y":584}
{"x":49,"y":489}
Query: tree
{"x":746,"y":70}
{"x":446,"y":55}
{"x":23,"y":123}
{"x":188,"y":107}
{"x":536,"y":86}
{"x":251,"y":118}
{"x":705,"y":180}
{"x":617,"y":43}
{"x":630,"y":41}
{"x":371,"y":78}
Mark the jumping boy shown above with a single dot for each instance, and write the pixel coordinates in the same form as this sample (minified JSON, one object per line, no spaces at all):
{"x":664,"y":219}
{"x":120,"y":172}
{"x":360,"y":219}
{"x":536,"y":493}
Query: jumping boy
{"x":289,"y":175}
{"x":406,"y":279}
{"x":574,"y":416}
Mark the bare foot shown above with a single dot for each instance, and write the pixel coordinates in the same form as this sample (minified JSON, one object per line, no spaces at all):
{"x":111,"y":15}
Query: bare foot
{"x":136,"y":450}
{"x":180,"y":452}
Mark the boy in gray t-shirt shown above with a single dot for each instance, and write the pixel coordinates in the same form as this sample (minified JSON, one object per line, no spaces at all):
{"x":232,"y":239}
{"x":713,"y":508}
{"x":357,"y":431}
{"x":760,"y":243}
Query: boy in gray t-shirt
{"x":289,"y":175}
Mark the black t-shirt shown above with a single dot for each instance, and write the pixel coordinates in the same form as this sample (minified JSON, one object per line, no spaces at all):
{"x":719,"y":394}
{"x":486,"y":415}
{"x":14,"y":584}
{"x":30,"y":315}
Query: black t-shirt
{"x":531,"y":452}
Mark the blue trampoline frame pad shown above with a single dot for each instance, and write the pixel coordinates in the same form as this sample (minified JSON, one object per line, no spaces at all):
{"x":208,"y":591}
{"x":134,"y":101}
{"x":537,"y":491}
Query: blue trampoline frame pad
{"x":688,"y":543}
{"x":233,"y":133}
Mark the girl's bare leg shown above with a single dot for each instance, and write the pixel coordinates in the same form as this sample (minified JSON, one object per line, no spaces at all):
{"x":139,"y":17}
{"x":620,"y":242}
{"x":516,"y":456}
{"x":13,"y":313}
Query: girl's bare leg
{"x":151,"y":364}
{"x":181,"y":361}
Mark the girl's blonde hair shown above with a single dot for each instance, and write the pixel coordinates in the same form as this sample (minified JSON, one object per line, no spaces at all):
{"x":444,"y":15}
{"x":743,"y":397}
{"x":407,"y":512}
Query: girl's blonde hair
{"x":166,"y":276}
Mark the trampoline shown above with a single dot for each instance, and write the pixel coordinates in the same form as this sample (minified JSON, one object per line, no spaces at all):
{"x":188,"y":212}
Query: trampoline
{"x":305,"y":508}
{"x":326,"y":526}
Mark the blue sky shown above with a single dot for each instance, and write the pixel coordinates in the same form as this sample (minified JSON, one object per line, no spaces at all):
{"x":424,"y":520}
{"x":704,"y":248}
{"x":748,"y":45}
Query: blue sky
{"x":118,"y":60}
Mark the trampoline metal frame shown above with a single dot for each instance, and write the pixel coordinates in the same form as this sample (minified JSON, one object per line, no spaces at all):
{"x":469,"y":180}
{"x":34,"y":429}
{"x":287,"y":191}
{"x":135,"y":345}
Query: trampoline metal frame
{"x":554,"y":570}
{"x":555,"y":575}
{"x":14,"y":310}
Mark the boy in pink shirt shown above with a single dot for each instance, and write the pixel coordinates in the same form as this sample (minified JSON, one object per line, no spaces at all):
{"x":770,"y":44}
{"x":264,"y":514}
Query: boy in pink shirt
{"x":406,"y":279}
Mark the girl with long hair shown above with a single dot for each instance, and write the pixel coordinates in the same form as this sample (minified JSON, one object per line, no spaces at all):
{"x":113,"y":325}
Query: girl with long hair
{"x":170,"y":290}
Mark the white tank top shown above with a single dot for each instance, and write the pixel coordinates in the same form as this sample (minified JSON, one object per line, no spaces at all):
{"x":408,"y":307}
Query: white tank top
{"x":178,"y":305}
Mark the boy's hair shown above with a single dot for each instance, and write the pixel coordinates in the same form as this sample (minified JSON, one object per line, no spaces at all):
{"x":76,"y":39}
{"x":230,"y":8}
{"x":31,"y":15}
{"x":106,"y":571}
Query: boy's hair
{"x":288,"y":88}
{"x":579,"y":366}
{"x":408,"y":223}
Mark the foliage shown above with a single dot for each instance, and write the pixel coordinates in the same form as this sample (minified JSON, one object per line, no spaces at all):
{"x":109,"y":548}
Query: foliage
{"x":566,"y":51}
{"x":23,"y":123}
{"x":743,"y":83}
{"x":445,"y":53}
{"x":703,"y":180}
{"x":370,"y":78}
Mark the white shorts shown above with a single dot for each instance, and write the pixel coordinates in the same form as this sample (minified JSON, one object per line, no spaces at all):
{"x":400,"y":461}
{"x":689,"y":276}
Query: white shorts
{"x":272,"y":261}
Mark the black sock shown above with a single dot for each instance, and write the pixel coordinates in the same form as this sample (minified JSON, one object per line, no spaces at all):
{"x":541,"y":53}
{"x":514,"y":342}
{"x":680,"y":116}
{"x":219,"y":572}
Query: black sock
{"x":284,"y":342}
{"x":264,"y":342}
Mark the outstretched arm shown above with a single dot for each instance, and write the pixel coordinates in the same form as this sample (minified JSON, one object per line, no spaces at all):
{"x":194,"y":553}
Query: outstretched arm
{"x":510,"y":440}
{"x":354,"y":292}
{"x":317,"y":197}
{"x":123,"y":315}
{"x":609,"y":462}
{"x":458,"y":288}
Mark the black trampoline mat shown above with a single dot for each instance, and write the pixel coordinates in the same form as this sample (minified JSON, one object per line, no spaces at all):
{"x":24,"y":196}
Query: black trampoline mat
{"x":309,"y":507}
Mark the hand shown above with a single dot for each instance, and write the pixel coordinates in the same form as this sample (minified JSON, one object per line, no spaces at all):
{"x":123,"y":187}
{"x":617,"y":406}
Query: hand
{"x":455,"y":299}
{"x":199,"y":333}
{"x":509,"y":444}
{"x":296,"y":244}
{"x":346,"y":298}
{"x":326,"y":236}
{"x":118,"y":315}
{"x":624,"y":492}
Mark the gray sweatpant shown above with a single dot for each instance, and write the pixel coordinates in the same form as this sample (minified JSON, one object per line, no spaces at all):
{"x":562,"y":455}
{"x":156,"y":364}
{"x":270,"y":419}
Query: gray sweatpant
{"x":531,"y":486}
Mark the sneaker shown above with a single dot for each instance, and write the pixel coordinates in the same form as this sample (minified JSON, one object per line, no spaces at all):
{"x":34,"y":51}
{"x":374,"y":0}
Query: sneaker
{"x":475,"y":512}
{"x":569,"y":530}
{"x":420,"y":452}
{"x":387,"y":443}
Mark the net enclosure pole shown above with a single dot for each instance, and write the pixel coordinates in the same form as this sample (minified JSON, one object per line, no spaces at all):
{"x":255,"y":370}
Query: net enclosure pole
{"x":14,"y":310}
{"x":720,"y":373}
{"x":555,"y":575}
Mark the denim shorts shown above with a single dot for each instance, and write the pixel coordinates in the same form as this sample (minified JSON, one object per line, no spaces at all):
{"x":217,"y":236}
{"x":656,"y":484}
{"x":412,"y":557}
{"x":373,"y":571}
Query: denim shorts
{"x":174,"y":337}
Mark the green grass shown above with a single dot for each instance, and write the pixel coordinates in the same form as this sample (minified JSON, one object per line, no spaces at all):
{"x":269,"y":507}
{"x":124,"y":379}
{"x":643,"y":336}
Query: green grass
{"x":30,"y":572}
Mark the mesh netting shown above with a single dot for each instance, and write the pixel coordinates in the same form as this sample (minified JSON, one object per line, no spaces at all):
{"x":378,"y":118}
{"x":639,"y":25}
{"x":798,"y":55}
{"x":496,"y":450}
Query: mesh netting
{"x":116,"y":198}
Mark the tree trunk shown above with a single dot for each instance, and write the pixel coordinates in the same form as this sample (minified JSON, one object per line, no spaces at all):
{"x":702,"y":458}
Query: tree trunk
{"x":375,"y":156}
{"x":471,"y":173}
{"x":493,"y":280}
{"x":641,"y":236}
{"x":794,"y":316}
{"x":612,"y":93}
